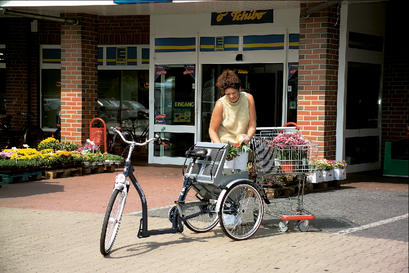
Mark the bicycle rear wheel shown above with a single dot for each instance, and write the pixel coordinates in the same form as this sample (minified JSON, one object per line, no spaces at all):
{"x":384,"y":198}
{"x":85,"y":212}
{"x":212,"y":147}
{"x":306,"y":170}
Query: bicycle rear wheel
{"x":112,"y":221}
{"x":241,"y":211}
{"x":201,"y":217}
{"x":33,"y":136}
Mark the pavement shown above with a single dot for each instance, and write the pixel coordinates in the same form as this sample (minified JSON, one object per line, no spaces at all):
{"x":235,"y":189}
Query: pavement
{"x":54,"y":226}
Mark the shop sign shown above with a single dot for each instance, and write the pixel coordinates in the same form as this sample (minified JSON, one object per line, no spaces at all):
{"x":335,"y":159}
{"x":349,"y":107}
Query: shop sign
{"x":181,"y":115}
{"x":160,"y":118}
{"x":190,"y":69}
{"x":242,"y":17}
{"x":159,"y":70}
{"x":184,"y":104}
{"x":292,"y":69}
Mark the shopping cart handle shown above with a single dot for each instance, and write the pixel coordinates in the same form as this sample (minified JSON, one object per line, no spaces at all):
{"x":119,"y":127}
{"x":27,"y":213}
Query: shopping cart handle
{"x":292,"y":123}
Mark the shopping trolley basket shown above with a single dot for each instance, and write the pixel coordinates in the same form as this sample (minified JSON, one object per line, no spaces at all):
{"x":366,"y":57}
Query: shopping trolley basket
{"x":283,"y":151}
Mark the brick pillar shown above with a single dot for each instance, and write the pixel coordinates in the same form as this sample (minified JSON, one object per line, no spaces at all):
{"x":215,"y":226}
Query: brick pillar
{"x":79,"y":76}
{"x":317,"y":78}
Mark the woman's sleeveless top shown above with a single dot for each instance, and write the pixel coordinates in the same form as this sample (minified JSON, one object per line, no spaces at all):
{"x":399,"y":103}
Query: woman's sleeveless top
{"x":235,"y":118}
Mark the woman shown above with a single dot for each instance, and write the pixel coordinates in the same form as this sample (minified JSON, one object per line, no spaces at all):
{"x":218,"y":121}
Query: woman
{"x":234,"y":115}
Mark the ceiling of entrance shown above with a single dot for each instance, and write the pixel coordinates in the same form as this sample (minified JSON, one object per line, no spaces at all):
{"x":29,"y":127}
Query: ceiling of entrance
{"x":108,"y":8}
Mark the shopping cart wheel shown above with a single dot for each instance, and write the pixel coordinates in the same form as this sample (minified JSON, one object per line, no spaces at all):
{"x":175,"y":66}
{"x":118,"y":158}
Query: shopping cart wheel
{"x":283,"y":226}
{"x":303,"y":225}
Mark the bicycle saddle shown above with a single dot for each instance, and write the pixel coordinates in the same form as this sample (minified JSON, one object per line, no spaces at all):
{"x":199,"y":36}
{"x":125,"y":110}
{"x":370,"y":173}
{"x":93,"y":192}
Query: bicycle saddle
{"x":201,"y":153}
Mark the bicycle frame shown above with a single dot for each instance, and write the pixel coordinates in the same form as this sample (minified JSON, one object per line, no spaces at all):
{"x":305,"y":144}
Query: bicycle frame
{"x":143,"y":232}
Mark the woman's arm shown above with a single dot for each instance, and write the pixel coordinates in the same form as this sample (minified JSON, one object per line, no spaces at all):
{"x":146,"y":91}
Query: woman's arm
{"x":253,"y":117}
{"x":215,"y":121}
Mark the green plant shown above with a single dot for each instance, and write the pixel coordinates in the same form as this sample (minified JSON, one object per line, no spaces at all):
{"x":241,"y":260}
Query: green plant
{"x":48,"y":143}
{"x":8,"y":165}
{"x":67,"y":146}
{"x":231,"y":151}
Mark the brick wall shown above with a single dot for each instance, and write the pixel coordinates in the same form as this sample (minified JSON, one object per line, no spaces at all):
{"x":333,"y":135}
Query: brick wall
{"x":78,"y":77}
{"x":130,"y":29}
{"x":395,"y":99}
{"x":317,"y":78}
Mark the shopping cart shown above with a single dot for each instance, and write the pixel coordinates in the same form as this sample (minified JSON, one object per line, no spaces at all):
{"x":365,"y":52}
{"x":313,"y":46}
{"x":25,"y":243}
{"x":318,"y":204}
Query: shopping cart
{"x":284,"y":152}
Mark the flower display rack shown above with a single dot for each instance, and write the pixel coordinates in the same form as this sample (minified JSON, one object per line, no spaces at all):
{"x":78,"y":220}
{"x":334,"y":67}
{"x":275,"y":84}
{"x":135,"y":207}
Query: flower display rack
{"x":13,"y":177}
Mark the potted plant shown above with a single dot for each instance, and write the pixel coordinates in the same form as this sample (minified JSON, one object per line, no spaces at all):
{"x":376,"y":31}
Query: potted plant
{"x":19,"y":159}
{"x":340,"y":170}
{"x":48,"y":143}
{"x":290,"y":150}
{"x":327,"y":169}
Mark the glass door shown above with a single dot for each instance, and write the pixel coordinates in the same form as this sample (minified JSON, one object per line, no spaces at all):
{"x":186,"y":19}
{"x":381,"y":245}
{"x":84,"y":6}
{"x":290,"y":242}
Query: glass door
{"x":263,"y":81}
{"x":174,"y":110}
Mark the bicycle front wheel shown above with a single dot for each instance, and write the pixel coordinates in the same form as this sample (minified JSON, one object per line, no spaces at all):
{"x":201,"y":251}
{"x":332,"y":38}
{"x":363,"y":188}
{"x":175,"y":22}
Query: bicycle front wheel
{"x":112,"y":221}
{"x":33,"y":136}
{"x":200,"y":217}
{"x":241,"y":211}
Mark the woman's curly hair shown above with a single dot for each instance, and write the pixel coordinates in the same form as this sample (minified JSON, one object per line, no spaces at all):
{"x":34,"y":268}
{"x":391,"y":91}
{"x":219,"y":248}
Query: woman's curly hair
{"x":228,"y":79}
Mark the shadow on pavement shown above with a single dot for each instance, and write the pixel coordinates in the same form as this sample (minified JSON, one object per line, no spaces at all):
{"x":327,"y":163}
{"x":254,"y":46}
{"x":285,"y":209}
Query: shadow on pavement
{"x":24,"y":189}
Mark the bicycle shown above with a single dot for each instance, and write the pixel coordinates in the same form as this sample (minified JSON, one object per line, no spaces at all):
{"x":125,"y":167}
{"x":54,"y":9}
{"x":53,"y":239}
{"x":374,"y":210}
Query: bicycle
{"x":32,"y":134}
{"x":210,"y":195}
{"x":130,"y":133}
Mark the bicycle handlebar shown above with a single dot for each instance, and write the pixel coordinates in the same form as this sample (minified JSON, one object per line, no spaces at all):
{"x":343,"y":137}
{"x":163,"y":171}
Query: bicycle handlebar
{"x":157,"y":138}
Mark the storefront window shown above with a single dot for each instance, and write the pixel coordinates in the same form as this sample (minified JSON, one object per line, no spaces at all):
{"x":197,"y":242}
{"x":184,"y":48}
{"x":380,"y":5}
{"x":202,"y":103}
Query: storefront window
{"x":123,"y":98}
{"x":360,"y":150}
{"x":363,"y":91}
{"x":263,"y":81}
{"x":292,"y":92}
{"x":181,"y":142}
{"x":51,"y":97}
{"x":175,"y":94}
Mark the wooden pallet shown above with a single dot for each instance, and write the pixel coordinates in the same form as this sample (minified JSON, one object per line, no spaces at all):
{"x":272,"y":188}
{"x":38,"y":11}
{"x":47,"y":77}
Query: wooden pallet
{"x":19,"y":177}
{"x":60,"y":173}
{"x":98,"y":169}
{"x":326,"y":185}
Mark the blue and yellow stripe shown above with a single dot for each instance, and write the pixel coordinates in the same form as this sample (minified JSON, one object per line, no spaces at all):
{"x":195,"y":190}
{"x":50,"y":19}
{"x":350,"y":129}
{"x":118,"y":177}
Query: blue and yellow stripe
{"x":51,"y":55}
{"x":145,"y":55}
{"x":131,"y":56}
{"x":175,"y":45}
{"x":100,"y":56}
{"x":294,"y":41}
{"x":263,"y":42}
{"x":111,"y":55}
